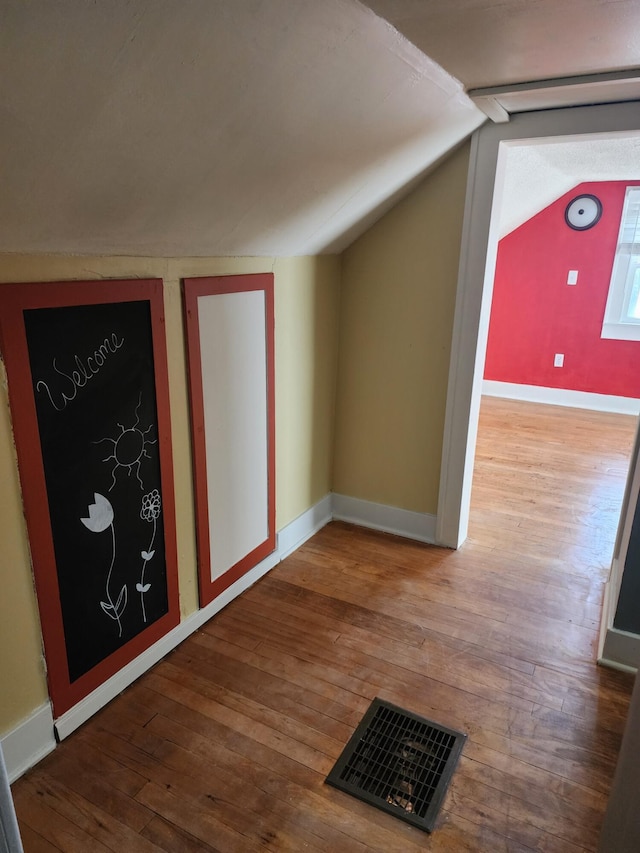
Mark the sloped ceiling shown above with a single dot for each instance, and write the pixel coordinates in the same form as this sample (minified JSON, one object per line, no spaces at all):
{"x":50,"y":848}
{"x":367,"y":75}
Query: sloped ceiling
{"x":495,"y":42}
{"x":536,"y":174}
{"x":210,"y":127}
{"x":254,"y":127}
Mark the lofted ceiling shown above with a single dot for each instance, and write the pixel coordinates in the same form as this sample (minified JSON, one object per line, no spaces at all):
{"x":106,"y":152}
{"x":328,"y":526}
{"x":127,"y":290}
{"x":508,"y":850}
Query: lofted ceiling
{"x":256,"y":127}
{"x":537,"y":173}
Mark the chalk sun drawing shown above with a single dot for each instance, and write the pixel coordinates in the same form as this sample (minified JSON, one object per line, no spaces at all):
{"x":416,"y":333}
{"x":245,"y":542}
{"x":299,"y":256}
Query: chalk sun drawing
{"x":129,"y":448}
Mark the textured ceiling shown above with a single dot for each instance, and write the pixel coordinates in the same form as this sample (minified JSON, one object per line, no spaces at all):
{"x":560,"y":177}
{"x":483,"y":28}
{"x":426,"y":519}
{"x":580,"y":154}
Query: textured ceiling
{"x":538,"y":173}
{"x":254,"y":127}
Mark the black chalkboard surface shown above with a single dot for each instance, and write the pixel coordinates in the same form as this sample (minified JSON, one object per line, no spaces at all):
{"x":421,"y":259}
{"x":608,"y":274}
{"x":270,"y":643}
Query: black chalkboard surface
{"x":627,"y":616}
{"x":93,"y":382}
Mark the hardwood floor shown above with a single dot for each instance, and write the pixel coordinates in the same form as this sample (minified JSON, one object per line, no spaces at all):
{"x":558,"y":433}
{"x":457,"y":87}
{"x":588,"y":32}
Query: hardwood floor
{"x":224,"y":745}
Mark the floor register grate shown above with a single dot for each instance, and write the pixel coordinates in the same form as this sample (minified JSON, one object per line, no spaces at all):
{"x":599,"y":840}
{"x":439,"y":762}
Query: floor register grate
{"x":399,"y":762}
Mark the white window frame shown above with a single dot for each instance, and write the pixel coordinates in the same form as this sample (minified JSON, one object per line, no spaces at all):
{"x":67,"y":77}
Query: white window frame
{"x":617,"y":323}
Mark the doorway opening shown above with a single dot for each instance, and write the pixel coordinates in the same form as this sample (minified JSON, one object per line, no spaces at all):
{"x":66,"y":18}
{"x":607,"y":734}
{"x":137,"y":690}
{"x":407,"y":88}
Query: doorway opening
{"x":552,"y":455}
{"x":478,"y":260}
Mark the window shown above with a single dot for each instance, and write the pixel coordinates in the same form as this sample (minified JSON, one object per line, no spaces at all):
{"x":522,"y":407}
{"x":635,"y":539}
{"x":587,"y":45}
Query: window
{"x":622,"y":314}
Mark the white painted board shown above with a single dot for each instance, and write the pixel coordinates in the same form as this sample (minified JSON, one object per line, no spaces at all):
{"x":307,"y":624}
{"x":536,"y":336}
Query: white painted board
{"x":234,"y":382}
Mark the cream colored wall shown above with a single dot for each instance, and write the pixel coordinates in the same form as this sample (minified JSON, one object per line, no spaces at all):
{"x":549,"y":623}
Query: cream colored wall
{"x":394,"y":317}
{"x":398,"y":296}
{"x":307,"y":308}
{"x":306,"y":334}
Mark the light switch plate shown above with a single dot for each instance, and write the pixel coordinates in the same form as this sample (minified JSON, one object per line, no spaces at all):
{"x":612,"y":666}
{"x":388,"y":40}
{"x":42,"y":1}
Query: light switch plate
{"x":572,"y":277}
{"x":558,"y":359}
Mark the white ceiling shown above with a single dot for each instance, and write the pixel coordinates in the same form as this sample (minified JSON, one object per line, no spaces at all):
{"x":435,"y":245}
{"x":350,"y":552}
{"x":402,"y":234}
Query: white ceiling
{"x":255,"y":127}
{"x":494,"y":42}
{"x":537,"y":173}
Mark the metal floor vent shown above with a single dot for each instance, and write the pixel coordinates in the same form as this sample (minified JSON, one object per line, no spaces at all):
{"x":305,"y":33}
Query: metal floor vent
{"x":399,"y":762}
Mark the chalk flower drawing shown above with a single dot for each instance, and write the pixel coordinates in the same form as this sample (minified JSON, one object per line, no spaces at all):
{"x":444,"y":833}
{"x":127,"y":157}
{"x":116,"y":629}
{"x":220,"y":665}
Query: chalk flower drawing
{"x":100,"y":519}
{"x":100,"y":515}
{"x":129,"y":448}
{"x":150,"y":511}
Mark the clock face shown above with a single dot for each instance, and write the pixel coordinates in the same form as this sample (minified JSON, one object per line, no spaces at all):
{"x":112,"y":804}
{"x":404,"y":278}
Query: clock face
{"x":583,"y":212}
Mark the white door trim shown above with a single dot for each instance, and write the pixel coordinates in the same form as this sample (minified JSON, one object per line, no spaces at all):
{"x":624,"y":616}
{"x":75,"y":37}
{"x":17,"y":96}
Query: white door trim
{"x":475,"y":284}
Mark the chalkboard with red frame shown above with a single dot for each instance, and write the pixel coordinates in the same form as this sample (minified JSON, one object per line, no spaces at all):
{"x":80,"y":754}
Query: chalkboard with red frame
{"x":88,"y":390}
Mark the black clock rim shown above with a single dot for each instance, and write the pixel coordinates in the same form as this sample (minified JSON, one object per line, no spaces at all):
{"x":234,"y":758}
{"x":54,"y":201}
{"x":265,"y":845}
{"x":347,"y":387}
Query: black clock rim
{"x":591,"y":224}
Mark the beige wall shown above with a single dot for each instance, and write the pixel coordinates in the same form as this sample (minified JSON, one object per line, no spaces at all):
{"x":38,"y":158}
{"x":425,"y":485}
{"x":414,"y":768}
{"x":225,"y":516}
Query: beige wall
{"x":306,"y":334}
{"x":398,"y":296}
{"x":394,"y":315}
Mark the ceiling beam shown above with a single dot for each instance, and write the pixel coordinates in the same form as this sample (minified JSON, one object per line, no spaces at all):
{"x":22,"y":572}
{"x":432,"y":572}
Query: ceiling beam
{"x":499,"y":102}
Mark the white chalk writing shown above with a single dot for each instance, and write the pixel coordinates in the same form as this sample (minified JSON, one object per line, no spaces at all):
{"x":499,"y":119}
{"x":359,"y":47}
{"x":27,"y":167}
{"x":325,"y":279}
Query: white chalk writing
{"x":79,"y":375}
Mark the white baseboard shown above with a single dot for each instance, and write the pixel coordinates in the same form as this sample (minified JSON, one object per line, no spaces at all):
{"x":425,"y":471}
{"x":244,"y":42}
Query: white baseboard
{"x":288,"y":539}
{"x":28,"y":742}
{"x":304,"y":526}
{"x":562,"y":397}
{"x":621,"y":650}
{"x":607,"y":614}
{"x":36,"y":736}
{"x":87,"y":707}
{"x":390,"y":519}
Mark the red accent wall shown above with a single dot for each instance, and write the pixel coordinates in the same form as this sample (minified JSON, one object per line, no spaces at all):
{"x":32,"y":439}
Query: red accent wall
{"x":536,"y":314}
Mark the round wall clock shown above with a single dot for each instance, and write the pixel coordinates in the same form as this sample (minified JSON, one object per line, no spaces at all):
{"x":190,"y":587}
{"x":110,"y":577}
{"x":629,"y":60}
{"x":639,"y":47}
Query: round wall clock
{"x":583,"y":212}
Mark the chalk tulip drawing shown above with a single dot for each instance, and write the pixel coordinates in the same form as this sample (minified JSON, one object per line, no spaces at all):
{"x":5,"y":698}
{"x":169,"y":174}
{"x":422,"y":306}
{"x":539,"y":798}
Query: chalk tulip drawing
{"x":100,"y":519}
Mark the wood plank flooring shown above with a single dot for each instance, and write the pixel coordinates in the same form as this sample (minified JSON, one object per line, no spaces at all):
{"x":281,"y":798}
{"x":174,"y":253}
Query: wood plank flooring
{"x":225,"y":744}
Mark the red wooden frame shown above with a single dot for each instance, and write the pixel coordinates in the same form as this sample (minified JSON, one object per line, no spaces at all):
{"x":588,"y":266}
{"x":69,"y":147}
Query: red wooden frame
{"x":193,"y":289}
{"x":14,"y":300}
